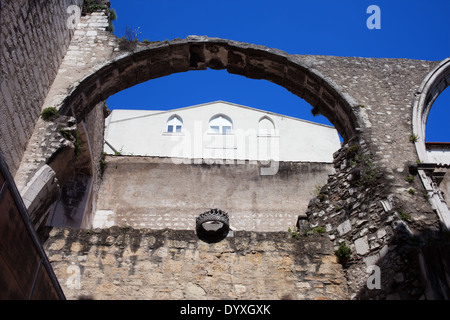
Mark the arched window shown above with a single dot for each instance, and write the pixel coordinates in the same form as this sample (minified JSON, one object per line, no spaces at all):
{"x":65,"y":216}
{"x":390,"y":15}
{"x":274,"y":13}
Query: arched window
{"x":266,"y":126}
{"x":220,"y":124}
{"x":174,"y":124}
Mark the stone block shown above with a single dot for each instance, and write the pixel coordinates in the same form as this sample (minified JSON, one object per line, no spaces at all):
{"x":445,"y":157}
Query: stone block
{"x":40,"y":187}
{"x":344,"y":227}
{"x":361,"y":246}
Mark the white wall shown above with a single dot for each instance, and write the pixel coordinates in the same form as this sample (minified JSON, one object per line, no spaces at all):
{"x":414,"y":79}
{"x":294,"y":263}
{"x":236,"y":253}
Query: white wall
{"x":144,"y":133}
{"x":439,"y":156}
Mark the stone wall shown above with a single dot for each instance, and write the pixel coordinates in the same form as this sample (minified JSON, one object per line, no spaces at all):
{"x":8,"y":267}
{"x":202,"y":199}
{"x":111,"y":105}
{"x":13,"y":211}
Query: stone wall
{"x":34,"y":39}
{"x":385,"y":224}
{"x":95,"y":126}
{"x":150,"y":192}
{"x":54,"y":142}
{"x":81,"y":163}
{"x":126,"y":263}
{"x":362,"y":209}
{"x":90,"y":44}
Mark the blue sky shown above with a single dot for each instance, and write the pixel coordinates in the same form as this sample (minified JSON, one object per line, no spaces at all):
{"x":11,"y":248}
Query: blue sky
{"x":414,"y":29}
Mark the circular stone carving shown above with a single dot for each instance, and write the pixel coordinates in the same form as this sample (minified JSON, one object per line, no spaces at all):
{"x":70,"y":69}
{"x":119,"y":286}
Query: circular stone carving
{"x":212,"y":225}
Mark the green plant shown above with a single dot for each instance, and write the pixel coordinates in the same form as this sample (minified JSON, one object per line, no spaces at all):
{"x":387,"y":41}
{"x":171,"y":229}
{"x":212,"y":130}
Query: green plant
{"x":404,"y":216}
{"x":49,"y":113}
{"x":66,"y":134}
{"x":413,"y":138}
{"x":102,"y":163}
{"x":77,"y":144}
{"x":369,"y":172}
{"x":96,"y":7}
{"x":93,"y":5}
{"x":118,"y":152}
{"x":317,"y":189}
{"x":411,"y":191}
{"x":318,"y":230}
{"x":110,"y":27}
{"x":352,"y":150}
{"x":129,"y":40}
{"x":343,"y":253}
{"x":112,"y":15}
{"x":409,"y":178}
{"x":321,"y":196}
{"x":293,"y":232}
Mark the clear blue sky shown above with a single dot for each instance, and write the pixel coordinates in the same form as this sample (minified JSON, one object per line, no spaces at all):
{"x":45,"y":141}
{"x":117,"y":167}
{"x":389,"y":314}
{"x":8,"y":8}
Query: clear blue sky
{"x":414,"y":29}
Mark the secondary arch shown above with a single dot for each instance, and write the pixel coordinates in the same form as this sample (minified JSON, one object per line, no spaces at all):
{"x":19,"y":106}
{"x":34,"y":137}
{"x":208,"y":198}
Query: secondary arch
{"x":432,"y":86}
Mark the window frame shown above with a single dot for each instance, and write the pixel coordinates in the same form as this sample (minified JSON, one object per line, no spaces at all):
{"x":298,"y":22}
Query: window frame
{"x":221,"y":122}
{"x":174,"y":122}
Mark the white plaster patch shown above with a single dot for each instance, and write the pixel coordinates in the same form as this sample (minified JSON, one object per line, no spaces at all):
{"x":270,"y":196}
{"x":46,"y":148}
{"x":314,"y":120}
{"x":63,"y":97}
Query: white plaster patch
{"x":103,"y":219}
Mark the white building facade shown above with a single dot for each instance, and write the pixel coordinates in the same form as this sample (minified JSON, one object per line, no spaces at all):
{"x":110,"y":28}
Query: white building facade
{"x":218,"y":131}
{"x":438,"y":152}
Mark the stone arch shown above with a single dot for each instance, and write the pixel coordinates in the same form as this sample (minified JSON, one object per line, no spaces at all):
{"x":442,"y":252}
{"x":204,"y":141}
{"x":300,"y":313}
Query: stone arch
{"x":199,"y":53}
{"x":431,"y":87}
{"x":433,"y":84}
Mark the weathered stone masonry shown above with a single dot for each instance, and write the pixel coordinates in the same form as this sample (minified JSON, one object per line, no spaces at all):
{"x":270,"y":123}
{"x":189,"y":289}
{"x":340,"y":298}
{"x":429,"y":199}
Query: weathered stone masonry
{"x":34,"y":39}
{"x":152,"y":192}
{"x":126,"y":263}
{"x":356,"y":207}
{"x":49,"y":145}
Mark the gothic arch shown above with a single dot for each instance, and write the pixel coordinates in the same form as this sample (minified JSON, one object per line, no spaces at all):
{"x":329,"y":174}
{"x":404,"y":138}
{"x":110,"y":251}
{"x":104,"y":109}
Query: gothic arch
{"x":221,"y":122}
{"x":432,"y":86}
{"x":174,"y":123}
{"x":266,"y":124}
{"x":199,"y":53}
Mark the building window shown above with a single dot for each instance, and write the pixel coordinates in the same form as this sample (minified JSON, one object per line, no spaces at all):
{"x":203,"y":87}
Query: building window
{"x":220,"y":124}
{"x":174,"y":124}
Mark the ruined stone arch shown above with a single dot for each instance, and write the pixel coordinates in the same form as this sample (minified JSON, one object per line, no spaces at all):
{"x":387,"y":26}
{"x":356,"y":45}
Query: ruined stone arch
{"x":431,"y":87}
{"x":199,"y":53}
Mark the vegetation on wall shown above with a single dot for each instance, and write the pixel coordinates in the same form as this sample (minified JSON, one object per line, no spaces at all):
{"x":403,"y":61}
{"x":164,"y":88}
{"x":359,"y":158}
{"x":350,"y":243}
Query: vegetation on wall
{"x":98,"y":5}
{"x":365,"y":169}
{"x":74,"y":137}
{"x":49,"y":113}
{"x":102,"y":164}
{"x":77,"y":143}
{"x":94,"y":5}
{"x":112,"y":17}
{"x":343,"y":253}
{"x":129,"y":40}
{"x":413,"y":138}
